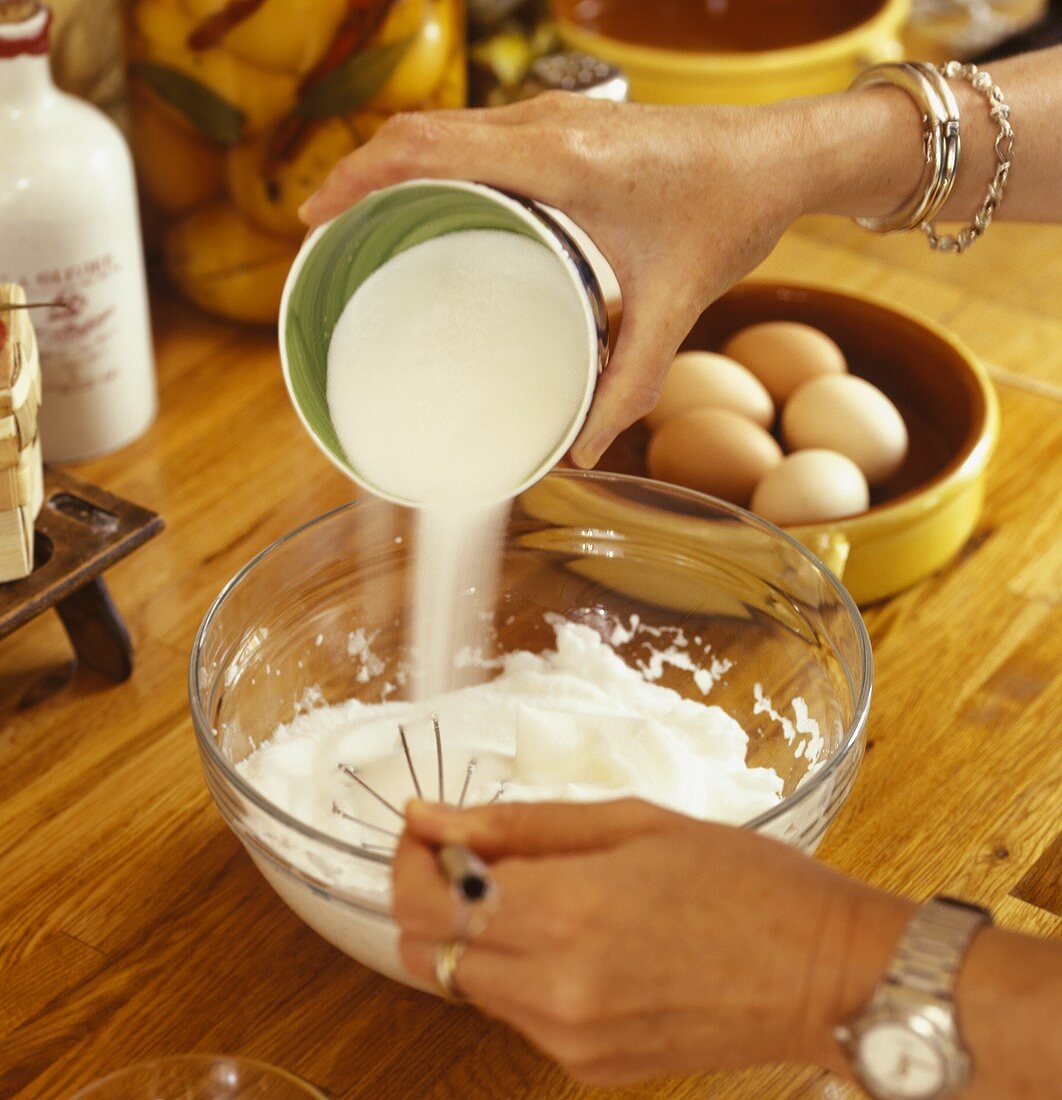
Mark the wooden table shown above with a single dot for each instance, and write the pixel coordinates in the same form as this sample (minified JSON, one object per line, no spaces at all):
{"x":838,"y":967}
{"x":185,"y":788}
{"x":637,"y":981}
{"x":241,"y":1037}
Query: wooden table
{"x":132,"y":924}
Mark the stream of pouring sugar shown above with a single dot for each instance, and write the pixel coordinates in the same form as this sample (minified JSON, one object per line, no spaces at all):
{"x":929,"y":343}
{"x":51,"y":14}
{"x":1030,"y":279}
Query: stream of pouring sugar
{"x":453,"y":371}
{"x":456,"y":567}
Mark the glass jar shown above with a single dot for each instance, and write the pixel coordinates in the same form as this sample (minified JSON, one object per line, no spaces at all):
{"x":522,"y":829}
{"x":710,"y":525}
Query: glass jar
{"x":239,"y":110}
{"x":86,"y":53}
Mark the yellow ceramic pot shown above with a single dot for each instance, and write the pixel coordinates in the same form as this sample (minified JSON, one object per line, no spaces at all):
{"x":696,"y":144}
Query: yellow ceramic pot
{"x":918,"y":520}
{"x":923,"y":516}
{"x":677,"y":76}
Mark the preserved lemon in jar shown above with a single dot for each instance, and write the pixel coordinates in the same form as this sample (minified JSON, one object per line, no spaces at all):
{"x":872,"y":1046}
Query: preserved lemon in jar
{"x":241,"y":107}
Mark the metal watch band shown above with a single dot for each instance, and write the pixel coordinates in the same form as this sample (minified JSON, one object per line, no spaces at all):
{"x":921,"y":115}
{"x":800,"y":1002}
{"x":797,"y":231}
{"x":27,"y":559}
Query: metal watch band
{"x":933,"y":946}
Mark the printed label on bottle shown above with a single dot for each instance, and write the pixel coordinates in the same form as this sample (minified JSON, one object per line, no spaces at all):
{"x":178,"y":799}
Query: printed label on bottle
{"x":95,"y":351}
{"x":77,"y":333}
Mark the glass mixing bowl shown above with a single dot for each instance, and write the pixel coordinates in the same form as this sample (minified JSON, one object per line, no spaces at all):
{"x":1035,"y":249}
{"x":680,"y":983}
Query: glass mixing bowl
{"x":321,"y":615}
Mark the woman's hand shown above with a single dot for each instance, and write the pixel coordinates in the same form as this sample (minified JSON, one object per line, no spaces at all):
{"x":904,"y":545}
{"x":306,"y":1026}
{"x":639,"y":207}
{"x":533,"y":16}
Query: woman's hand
{"x":630,"y":942}
{"x":682,"y":201}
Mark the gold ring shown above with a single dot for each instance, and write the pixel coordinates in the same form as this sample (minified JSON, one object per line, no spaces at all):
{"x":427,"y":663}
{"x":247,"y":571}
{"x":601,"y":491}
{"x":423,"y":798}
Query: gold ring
{"x":447,"y":956}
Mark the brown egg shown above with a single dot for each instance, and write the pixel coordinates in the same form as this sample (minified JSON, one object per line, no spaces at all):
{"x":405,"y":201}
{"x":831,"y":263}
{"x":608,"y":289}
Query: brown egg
{"x":703,"y":378}
{"x":715,"y":451}
{"x":811,"y":487}
{"x":785,"y":354}
{"x":847,"y":414}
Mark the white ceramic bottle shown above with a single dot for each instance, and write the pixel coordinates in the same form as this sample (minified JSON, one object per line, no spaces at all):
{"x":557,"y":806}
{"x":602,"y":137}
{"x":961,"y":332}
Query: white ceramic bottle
{"x":69,"y":230}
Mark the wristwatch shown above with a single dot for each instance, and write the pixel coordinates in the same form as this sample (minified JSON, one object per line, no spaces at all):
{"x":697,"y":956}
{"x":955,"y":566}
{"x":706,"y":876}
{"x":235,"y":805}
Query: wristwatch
{"x":905,"y":1043}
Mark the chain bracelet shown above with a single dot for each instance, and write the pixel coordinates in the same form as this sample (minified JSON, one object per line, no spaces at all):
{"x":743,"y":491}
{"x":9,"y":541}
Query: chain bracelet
{"x":1004,"y":146}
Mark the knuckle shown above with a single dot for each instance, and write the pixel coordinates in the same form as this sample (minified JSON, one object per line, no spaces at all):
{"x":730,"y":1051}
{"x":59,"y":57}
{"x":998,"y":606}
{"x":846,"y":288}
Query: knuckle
{"x":553,"y":101}
{"x":402,"y":124}
{"x":558,"y":927}
{"x":639,"y":399}
{"x":409,"y":134}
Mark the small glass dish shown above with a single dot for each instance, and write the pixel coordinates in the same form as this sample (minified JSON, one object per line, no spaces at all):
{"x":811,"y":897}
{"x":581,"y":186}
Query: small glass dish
{"x":200,"y":1077}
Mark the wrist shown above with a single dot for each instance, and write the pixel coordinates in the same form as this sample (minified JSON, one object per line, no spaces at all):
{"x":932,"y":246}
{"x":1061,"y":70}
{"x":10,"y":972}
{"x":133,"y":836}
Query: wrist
{"x":863,"y":931}
{"x":856,"y":154}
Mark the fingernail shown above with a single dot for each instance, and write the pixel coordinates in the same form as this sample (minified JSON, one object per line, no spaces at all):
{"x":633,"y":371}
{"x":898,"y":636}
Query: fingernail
{"x":308,"y":207}
{"x":587,"y":455}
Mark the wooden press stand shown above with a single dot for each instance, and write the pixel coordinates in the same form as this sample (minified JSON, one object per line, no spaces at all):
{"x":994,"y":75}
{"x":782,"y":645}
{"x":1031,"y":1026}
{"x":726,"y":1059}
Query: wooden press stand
{"x":80,"y":532}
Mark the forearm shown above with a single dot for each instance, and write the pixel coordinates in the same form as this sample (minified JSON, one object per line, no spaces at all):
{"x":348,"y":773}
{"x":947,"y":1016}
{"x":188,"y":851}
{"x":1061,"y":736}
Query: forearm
{"x":859,"y":153}
{"x":1008,"y":997}
{"x":1009,"y":1000}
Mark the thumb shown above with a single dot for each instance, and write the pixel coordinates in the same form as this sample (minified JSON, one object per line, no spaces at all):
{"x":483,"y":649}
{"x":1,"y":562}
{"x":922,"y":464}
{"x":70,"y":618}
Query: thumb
{"x":630,"y":386}
{"x":535,"y":828}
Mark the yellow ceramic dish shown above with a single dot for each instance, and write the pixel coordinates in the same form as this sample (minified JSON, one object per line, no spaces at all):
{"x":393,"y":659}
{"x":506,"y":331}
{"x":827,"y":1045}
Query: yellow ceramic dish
{"x":675,"y":76}
{"x":924,"y":515}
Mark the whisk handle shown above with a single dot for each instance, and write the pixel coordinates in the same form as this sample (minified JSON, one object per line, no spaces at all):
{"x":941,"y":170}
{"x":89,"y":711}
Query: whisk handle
{"x":465,"y":872}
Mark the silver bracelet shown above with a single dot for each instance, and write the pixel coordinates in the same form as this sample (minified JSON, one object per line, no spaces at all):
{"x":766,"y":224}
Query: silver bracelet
{"x":1004,"y":147}
{"x":940,"y":141}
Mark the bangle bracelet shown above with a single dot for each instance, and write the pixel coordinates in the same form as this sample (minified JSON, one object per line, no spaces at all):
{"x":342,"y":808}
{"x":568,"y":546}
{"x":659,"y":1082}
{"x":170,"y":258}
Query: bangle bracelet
{"x":1004,"y":146}
{"x":940,"y":141}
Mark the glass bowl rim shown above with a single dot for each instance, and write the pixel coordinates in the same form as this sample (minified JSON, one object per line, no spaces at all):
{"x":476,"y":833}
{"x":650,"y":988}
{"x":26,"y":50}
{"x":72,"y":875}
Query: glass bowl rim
{"x":812,"y":784}
{"x":287,"y":1076}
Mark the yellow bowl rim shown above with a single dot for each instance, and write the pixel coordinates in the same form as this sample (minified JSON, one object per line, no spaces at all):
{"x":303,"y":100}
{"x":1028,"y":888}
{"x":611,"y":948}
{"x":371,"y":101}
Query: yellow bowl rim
{"x":689,"y":63}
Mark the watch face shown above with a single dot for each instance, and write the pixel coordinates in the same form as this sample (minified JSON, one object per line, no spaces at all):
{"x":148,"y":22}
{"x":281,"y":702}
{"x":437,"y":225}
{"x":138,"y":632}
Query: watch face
{"x":900,"y":1063}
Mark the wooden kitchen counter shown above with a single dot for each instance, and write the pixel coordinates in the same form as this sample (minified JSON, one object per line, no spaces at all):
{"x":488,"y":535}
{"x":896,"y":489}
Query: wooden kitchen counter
{"x":132,"y":924}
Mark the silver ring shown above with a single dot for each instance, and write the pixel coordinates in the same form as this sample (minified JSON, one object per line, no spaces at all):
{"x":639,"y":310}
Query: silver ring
{"x":447,"y":956}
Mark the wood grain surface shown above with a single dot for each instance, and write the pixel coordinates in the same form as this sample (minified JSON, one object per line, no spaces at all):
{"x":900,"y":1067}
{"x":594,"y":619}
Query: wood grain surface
{"x":132,"y":925}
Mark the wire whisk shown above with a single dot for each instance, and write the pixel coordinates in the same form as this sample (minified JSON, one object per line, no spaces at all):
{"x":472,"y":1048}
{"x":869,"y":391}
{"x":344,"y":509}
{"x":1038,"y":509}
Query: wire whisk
{"x":465,"y":871}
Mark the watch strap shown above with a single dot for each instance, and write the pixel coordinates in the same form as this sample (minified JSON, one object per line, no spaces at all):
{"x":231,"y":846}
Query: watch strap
{"x":933,"y":946}
{"x":918,"y":992}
